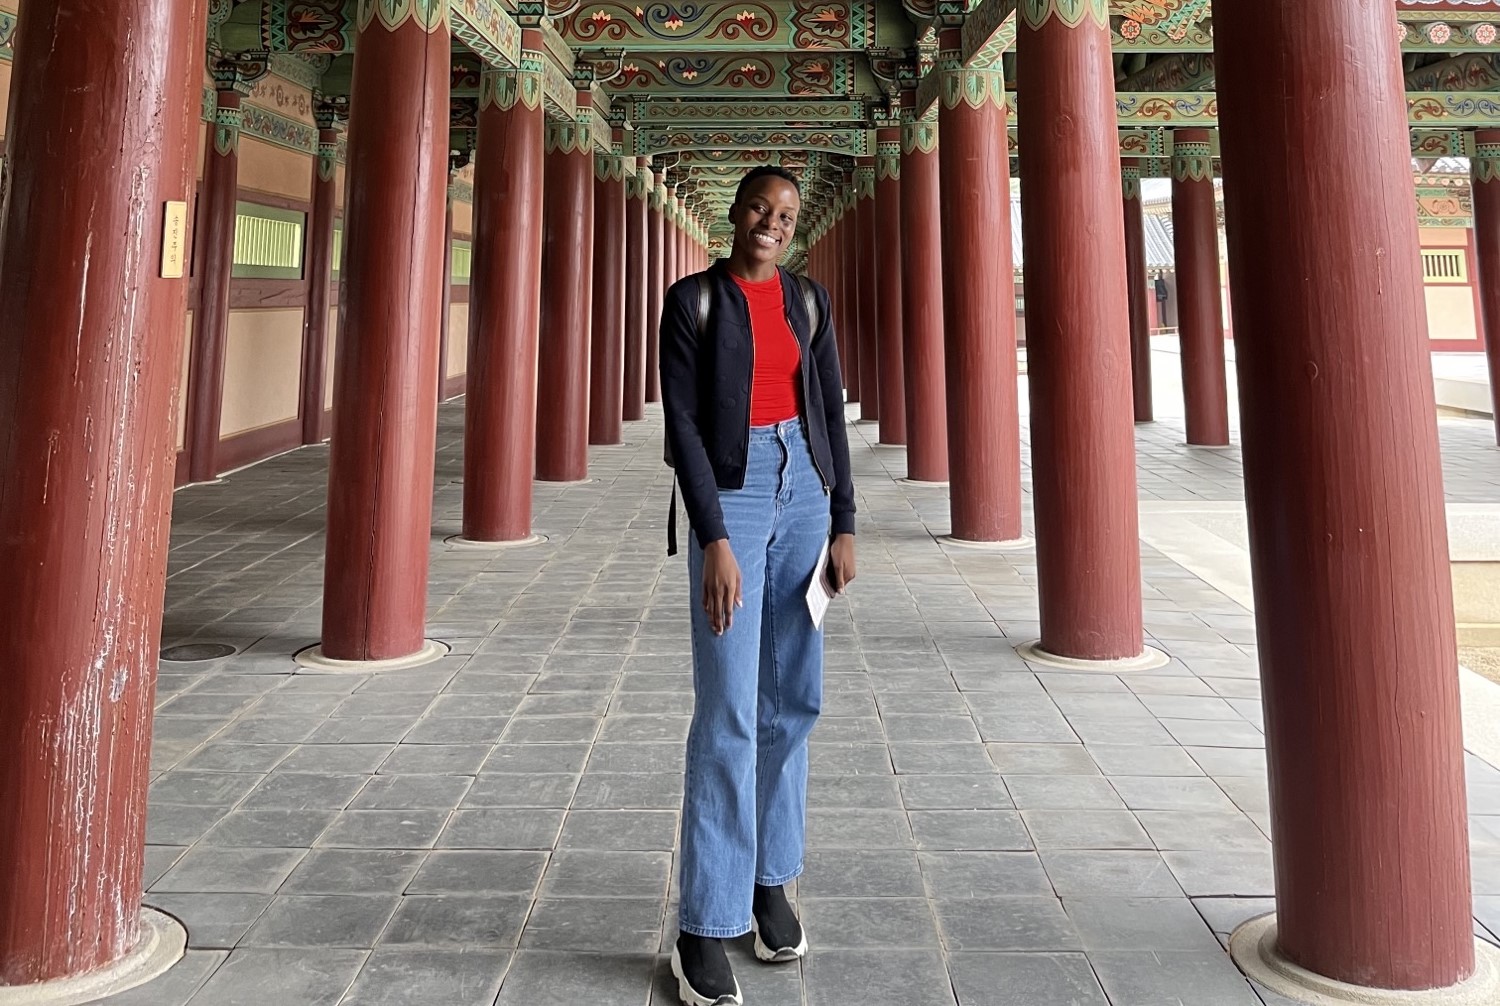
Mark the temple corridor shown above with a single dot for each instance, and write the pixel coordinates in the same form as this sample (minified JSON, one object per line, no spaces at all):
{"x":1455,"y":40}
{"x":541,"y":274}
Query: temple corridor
{"x":500,"y":823}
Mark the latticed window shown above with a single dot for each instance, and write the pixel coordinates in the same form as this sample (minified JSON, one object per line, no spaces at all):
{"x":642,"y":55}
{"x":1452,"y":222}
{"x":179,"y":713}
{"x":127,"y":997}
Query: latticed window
{"x":463,"y":258}
{"x":267,"y":242}
{"x":1445,"y":265}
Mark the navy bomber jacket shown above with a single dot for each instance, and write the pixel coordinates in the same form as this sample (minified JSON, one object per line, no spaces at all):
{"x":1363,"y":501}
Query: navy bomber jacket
{"x":705,"y":390}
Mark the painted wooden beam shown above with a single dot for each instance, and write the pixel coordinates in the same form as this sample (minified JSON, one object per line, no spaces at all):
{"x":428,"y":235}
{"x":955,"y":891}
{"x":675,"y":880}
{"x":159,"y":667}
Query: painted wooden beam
{"x":724,"y":27}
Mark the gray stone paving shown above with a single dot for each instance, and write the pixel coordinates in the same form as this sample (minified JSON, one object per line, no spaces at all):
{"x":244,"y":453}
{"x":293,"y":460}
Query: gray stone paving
{"x":498,"y":827}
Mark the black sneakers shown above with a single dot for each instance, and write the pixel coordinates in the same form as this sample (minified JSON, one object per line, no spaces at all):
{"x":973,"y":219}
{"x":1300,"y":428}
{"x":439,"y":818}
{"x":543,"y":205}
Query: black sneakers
{"x":778,"y":933}
{"x":704,"y":977}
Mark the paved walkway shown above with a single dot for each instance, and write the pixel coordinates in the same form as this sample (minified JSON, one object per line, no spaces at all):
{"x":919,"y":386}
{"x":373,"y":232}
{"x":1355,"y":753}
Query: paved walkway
{"x":498,"y":827}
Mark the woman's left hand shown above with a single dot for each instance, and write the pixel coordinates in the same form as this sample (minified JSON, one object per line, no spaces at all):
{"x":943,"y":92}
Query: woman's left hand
{"x":841,"y":562}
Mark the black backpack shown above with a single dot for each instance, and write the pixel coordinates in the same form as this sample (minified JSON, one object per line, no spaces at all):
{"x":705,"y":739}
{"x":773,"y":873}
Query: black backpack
{"x":705,"y":301}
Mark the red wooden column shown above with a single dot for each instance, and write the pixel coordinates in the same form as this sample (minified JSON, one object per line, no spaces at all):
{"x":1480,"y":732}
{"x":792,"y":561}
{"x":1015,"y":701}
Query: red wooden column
{"x":445,"y":310}
{"x":607,"y":346}
{"x":849,"y":298}
{"x":1078,"y":341}
{"x":1344,"y":491}
{"x":310,"y":396}
{"x":1135,"y":279}
{"x":562,"y":433}
{"x":669,"y":238}
{"x":385,"y":414}
{"x":101,"y":152}
{"x":1485,"y":171}
{"x":1200,"y":307}
{"x":637,"y":220}
{"x":505,"y":301}
{"x":979,"y":312}
{"x":656,"y":286}
{"x":216,"y":217}
{"x":889,"y":321}
{"x":867,"y":306}
{"x":922,"y":300}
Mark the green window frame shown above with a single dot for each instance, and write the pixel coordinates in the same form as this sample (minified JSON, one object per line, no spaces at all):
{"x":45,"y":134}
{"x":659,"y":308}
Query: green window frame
{"x":463,"y":263}
{"x":268,"y":242}
{"x":338,"y":248}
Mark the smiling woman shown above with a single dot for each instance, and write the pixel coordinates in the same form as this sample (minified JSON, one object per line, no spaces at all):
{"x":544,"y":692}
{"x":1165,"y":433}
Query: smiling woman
{"x":755,"y":424}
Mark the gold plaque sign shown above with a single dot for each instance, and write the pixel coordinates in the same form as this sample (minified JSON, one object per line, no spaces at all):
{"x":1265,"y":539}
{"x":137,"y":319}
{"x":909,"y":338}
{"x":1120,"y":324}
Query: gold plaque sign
{"x":174,"y":240}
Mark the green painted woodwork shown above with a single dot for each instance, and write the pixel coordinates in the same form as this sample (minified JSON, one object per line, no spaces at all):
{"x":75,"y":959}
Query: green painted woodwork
{"x":429,"y":15}
{"x":1130,"y":181}
{"x":750,"y":112}
{"x":758,"y":26}
{"x":461,"y":257}
{"x":973,"y":88}
{"x":1192,"y":161}
{"x":1036,"y":13}
{"x":509,"y":88}
{"x":1486,"y":163}
{"x":227,"y":130}
{"x":267,"y":242}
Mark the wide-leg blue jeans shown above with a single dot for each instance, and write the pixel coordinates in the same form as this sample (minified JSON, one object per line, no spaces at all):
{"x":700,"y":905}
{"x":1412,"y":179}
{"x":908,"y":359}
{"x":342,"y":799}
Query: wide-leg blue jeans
{"x":758,"y":689}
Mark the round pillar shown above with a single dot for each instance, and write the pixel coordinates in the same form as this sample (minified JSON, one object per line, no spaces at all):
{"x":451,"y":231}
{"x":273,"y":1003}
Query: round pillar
{"x":1200,"y":305}
{"x":607,"y":348}
{"x":656,"y":286}
{"x":311,"y":396}
{"x":505,"y":304}
{"x":1485,"y":171}
{"x":1344,"y":492}
{"x":922,"y":301}
{"x":867,"y":295}
{"x":1135,"y":278}
{"x":849,"y":297}
{"x":216,"y":218}
{"x":889,"y":320}
{"x":94,"y":291}
{"x":380,"y":468}
{"x":637,"y":220}
{"x":1078,"y":339}
{"x":979,"y":303}
{"x":562,"y":434}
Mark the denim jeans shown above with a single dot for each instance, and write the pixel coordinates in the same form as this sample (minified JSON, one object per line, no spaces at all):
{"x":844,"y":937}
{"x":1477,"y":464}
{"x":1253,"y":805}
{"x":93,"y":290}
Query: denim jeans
{"x":758,"y":689}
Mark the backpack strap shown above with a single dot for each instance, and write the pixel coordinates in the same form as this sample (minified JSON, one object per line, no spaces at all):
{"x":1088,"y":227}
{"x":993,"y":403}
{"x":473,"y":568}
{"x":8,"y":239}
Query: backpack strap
{"x":705,"y":299}
{"x":810,"y":303}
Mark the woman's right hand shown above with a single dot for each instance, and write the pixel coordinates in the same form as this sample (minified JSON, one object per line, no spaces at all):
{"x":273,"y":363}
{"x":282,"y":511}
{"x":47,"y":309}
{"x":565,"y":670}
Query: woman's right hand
{"x":721,"y":586}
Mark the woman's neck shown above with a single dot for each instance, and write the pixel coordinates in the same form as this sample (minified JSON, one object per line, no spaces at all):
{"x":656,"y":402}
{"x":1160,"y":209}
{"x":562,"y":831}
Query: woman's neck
{"x":751,"y":272}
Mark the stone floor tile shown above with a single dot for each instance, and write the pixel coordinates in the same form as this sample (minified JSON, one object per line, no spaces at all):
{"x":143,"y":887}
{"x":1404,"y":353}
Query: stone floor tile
{"x":247,"y":758}
{"x":1063,"y":792}
{"x":849,"y":759}
{"x":1085,"y":829}
{"x":384,"y":829}
{"x":322,"y":920}
{"x":479,"y":872}
{"x":596,"y":925}
{"x":969,"y":830}
{"x":857,"y":829}
{"x":457,"y":921}
{"x":889,"y":922}
{"x":1024,"y":979}
{"x":501,"y":829}
{"x":870,"y":792}
{"x":304,"y":791}
{"x":1172,"y":793}
{"x":393,"y":977}
{"x":620,"y":830}
{"x":548,"y":978}
{"x":1225,"y":915}
{"x":217,"y":870}
{"x":173,"y":824}
{"x":877,"y":978}
{"x":581,"y":873}
{"x":1118,"y":873}
{"x":435,"y":759}
{"x":662,"y":757}
{"x":203,"y":788}
{"x":337,"y":758}
{"x":505,"y":789}
{"x":354,"y":871}
{"x":868,"y":873}
{"x":175,"y":987}
{"x":951,"y":876}
{"x":1149,"y":978}
{"x":1042,"y":759}
{"x":213,"y":921}
{"x":1032,"y":924}
{"x":1137,"y":760}
{"x":255,"y":977}
{"x":1139,"y":924}
{"x":281,"y":829}
{"x":1225,"y":874}
{"x":1202,"y":831}
{"x":412,"y":792}
{"x":1214,"y":733}
{"x":954,"y":792}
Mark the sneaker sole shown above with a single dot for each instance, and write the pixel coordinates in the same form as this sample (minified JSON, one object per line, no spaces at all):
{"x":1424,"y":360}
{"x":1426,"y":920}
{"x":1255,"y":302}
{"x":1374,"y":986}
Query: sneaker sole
{"x":782,"y":956}
{"x":691,"y":997}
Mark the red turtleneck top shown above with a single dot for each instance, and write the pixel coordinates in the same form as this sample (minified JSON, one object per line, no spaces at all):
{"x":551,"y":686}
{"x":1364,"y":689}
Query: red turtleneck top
{"x":776,"y":387}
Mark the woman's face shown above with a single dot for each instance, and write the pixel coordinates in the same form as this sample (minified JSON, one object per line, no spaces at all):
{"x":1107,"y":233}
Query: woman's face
{"x":765,"y":219}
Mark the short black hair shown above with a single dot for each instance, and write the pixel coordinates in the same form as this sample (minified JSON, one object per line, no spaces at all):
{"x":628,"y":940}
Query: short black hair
{"x":766,"y":171}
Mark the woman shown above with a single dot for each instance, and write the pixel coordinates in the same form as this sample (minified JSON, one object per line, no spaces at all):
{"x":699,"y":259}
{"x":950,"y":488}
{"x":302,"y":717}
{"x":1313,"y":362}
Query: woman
{"x":755,"y":422}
